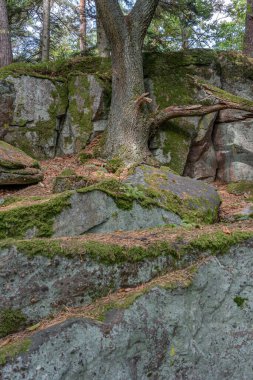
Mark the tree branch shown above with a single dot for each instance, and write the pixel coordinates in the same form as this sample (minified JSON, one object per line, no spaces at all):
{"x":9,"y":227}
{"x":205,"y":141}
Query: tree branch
{"x":112,"y":18}
{"x":141,"y":16}
{"x":173,"y":112}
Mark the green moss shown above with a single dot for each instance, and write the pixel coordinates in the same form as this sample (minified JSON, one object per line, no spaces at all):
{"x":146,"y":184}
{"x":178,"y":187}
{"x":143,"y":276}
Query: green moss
{"x":11,"y":321}
{"x":176,"y":143}
{"x":114,"y":165}
{"x":84,"y":157}
{"x":240,"y":188}
{"x":80,"y":106}
{"x":67,"y":173}
{"x":60,"y":69}
{"x":218,"y":243}
{"x":110,"y":254}
{"x":240,"y":301}
{"x":10,"y":351}
{"x":224,"y":95}
{"x":16,"y":221}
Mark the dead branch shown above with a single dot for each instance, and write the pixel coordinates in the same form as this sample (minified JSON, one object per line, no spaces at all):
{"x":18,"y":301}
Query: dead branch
{"x":142,"y":99}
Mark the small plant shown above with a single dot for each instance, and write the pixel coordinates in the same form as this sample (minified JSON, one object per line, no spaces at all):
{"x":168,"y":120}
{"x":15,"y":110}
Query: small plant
{"x":67,"y":173}
{"x":114,"y":164}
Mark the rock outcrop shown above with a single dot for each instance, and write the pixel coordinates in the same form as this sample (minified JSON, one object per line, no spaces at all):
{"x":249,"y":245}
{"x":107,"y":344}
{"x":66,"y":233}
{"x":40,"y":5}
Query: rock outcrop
{"x":149,"y":198}
{"x":49,"y":112}
{"x":200,"y":330}
{"x":16,"y":167}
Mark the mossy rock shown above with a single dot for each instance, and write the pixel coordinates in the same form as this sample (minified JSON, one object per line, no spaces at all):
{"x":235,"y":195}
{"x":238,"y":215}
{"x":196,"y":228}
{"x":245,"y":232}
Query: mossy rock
{"x":16,"y":167}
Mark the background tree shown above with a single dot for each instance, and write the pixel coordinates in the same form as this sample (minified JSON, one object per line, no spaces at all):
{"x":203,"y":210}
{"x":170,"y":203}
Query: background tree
{"x":83,"y":45}
{"x":45,"y":30}
{"x":248,"y":42}
{"x":5,"y":40}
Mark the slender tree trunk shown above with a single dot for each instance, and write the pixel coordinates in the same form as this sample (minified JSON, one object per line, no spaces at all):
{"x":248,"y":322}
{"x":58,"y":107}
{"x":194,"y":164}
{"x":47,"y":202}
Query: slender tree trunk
{"x":46,"y":30}
{"x":248,"y":42}
{"x":5,"y":40}
{"x":102,"y":41}
{"x":83,"y":42}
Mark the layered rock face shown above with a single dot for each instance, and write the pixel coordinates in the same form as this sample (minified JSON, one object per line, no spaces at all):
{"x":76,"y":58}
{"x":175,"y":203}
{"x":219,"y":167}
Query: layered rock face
{"x":16,"y":167}
{"x":202,"y":330}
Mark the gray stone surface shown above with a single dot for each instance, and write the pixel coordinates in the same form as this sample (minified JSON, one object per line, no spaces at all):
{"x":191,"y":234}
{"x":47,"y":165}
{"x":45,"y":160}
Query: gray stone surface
{"x":97,"y":212}
{"x":233,"y":143}
{"x":38,"y":107}
{"x":196,"y":333}
{"x":40,"y":286}
{"x":201,"y":195}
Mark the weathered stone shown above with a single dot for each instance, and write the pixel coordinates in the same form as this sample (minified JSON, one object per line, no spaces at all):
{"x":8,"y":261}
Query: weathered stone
{"x":38,"y":107}
{"x":200,"y":195}
{"x":71,"y":182}
{"x":200,"y":332}
{"x":95,"y":211}
{"x":71,"y":281}
{"x":233,"y":143}
{"x":16,"y":167}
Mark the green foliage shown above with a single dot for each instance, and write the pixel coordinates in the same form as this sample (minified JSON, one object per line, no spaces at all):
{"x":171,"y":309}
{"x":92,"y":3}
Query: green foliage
{"x":11,"y":321}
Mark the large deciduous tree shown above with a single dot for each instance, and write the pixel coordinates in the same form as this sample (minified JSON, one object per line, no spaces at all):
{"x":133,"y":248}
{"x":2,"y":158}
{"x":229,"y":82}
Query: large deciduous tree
{"x":5,"y":40}
{"x":130,"y":119}
{"x":248,"y":42}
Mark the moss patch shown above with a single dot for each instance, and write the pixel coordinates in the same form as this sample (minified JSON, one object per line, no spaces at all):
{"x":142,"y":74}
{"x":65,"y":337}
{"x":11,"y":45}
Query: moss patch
{"x":59,"y":70}
{"x":110,"y":254}
{"x":240,"y":188}
{"x":40,"y":216}
{"x":11,"y":321}
{"x":240,"y":301}
{"x":10,"y":351}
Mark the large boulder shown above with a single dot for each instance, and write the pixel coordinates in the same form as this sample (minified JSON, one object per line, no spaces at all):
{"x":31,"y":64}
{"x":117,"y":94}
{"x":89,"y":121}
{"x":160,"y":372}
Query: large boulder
{"x":199,"y":197}
{"x":199,"y":330}
{"x":16,"y":167}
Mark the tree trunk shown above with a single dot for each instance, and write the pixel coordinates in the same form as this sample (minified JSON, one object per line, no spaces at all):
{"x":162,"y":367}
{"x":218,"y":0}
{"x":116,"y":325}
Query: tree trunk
{"x":46,"y":31}
{"x":5,"y":40}
{"x":127,"y":135}
{"x":128,"y":132}
{"x":83,"y":43}
{"x":102,"y":41}
{"x":248,"y":42}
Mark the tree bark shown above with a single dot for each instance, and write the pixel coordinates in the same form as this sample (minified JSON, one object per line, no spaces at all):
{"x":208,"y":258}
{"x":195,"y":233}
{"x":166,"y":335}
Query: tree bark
{"x":102,"y":41}
{"x":248,"y":41}
{"x":5,"y":40}
{"x":127,"y":134}
{"x":46,"y":30}
{"x":83,"y":42}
